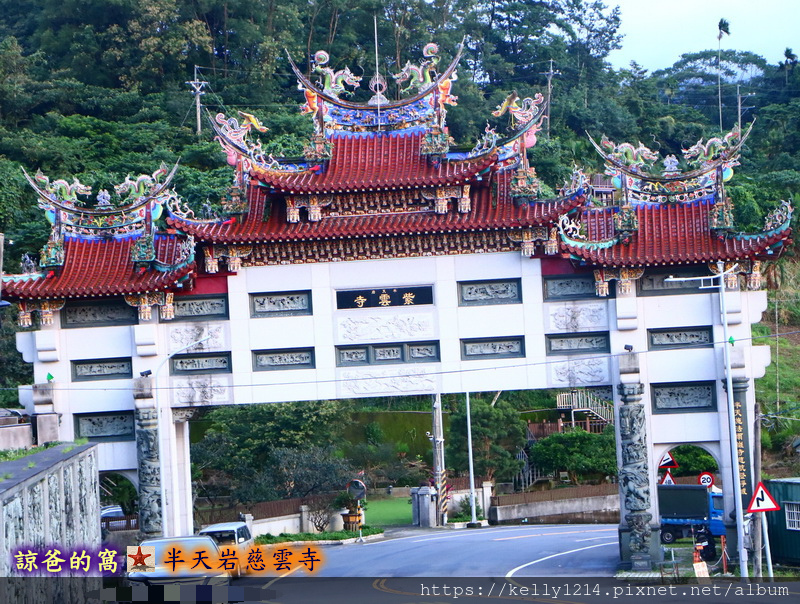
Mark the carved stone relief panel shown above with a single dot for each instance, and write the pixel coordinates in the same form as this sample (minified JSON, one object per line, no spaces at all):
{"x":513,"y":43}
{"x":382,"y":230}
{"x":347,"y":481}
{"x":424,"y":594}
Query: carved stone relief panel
{"x":373,"y":382}
{"x":489,"y":348}
{"x":684,"y":397}
{"x":13,"y":514}
{"x":280,"y":304}
{"x":569,"y":287}
{"x":35,"y":513}
{"x":577,"y":316}
{"x":105,"y":426}
{"x":294,"y":358}
{"x":378,"y":354}
{"x":101,"y":369}
{"x":214,"y":336}
{"x":687,"y":337}
{"x":658,"y":283}
{"x":193,"y":364}
{"x":183,"y":414}
{"x":201,"y":390}
{"x":54,"y":509}
{"x":419,"y":352}
{"x":98,"y":314}
{"x":580,"y":372}
{"x":385,"y":328}
{"x":388,"y":353}
{"x":353,"y":356}
{"x":577,"y":343}
{"x":69,"y":502}
{"x":206,"y":308}
{"x":479,"y":293}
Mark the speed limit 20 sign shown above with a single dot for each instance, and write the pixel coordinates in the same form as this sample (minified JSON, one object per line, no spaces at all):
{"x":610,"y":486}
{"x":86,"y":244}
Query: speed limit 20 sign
{"x":706,"y":479}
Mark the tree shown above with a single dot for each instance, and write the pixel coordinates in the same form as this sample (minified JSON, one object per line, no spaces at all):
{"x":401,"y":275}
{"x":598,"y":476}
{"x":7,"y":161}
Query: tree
{"x":319,"y":511}
{"x":304,"y":471}
{"x":788,"y":64}
{"x":497,"y":434}
{"x":253,"y":446}
{"x":577,"y":452}
{"x":692,"y":460}
{"x":722,"y":30}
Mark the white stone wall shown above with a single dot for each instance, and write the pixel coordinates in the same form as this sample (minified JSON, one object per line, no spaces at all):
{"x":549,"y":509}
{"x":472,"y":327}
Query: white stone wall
{"x":626,"y":318}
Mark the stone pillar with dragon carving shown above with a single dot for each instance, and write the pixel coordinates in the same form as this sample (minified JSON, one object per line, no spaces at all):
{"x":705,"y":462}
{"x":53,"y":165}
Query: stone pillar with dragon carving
{"x":148,"y":458}
{"x":639,"y":542}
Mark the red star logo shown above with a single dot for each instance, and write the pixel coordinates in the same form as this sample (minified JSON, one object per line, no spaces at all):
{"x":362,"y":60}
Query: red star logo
{"x":138,"y":557}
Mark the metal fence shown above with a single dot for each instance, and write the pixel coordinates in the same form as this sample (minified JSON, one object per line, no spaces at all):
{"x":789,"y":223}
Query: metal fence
{"x":263,"y":509}
{"x":120,"y":523}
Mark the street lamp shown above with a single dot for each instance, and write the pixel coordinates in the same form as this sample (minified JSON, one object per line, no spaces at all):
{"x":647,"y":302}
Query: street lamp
{"x":737,"y":498}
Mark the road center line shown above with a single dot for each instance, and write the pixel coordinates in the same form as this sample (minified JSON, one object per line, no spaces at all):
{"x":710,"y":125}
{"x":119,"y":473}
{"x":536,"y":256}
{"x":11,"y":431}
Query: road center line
{"x":559,"y":533}
{"x":572,"y":551}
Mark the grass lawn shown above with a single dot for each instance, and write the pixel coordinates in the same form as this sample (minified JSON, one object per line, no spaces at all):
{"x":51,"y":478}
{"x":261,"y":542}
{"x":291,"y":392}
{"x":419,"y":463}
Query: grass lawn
{"x":389,"y":511}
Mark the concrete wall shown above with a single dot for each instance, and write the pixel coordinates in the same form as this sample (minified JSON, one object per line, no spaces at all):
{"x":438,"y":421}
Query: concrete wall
{"x":16,"y":436}
{"x":277,"y":525}
{"x":483,"y":497}
{"x":50,"y":498}
{"x":293,"y":523}
{"x":590,"y":509}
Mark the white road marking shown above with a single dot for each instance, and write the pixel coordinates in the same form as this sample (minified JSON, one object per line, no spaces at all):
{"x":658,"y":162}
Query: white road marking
{"x":591,"y":539}
{"x":572,"y":551}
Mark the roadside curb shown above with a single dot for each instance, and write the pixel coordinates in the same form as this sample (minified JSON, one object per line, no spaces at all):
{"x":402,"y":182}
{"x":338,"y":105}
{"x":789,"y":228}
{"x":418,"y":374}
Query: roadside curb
{"x":463,"y":525}
{"x":328,"y":541}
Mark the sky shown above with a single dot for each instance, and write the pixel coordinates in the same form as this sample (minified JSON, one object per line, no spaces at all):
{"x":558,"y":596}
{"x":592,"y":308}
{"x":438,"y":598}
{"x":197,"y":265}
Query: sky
{"x":658,"y":32}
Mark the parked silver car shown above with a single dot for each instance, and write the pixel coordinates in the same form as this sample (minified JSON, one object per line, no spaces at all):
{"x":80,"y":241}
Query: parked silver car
{"x":163,"y":574}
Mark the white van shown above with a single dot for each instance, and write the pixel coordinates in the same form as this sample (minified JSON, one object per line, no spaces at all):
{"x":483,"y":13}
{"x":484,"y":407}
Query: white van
{"x":232,"y":534}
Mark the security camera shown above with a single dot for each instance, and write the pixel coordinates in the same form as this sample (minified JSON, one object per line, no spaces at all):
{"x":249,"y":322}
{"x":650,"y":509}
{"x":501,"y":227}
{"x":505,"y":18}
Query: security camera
{"x":146,"y":373}
{"x":429,"y":435}
{"x":628,"y":347}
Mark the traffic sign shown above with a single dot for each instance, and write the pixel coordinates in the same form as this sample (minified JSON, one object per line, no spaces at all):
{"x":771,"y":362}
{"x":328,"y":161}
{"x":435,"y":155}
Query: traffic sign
{"x":668,"y":479}
{"x":762,"y":501}
{"x":667,"y":461}
{"x":706,"y":479}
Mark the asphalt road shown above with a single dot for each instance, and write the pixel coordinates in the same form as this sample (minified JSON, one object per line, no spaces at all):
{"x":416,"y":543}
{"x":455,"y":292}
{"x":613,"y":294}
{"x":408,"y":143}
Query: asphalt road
{"x":507,"y":551}
{"x":401,"y":567}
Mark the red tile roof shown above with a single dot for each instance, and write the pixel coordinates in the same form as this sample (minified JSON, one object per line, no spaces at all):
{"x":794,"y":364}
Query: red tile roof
{"x":669,"y":234}
{"x":97,"y":267}
{"x":377,"y":160}
{"x":484,"y":215}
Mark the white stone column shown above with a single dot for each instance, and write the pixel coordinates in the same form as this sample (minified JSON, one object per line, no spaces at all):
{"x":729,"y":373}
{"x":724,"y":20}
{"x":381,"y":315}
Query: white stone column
{"x":182,"y":509}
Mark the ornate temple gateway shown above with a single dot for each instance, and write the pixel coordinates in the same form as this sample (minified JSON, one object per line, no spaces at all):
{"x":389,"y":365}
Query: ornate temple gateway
{"x":388,"y":262}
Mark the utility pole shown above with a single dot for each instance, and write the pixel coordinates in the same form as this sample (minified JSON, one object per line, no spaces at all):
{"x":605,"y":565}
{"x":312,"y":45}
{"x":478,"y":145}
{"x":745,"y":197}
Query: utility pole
{"x":439,"y":479}
{"x":471,"y":466}
{"x":739,"y":105}
{"x":197,"y":91}
{"x":549,"y":73}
